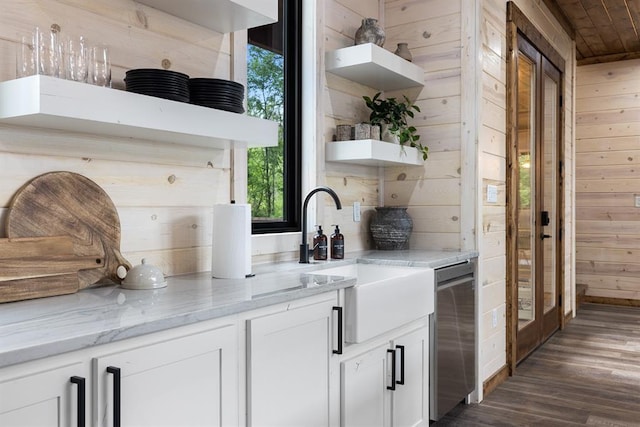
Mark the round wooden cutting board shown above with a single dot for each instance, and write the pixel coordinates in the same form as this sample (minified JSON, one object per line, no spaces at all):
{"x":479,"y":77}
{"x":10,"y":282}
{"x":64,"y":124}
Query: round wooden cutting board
{"x":66,"y":203}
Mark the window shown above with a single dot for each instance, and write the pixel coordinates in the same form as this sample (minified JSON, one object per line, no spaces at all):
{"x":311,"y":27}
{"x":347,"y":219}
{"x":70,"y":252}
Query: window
{"x":274,"y":91}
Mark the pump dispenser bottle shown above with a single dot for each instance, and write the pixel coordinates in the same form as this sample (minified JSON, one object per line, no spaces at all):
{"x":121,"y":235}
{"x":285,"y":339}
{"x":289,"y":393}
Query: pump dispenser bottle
{"x":319,"y":245}
{"x":337,"y":244}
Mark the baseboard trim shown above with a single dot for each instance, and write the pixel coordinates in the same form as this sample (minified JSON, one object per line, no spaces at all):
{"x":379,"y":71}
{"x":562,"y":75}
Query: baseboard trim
{"x":611,"y":301}
{"x":495,"y":380}
{"x":568,"y":318}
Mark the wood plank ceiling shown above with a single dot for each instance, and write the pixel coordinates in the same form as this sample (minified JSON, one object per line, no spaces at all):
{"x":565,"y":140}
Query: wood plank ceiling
{"x":604,"y":30}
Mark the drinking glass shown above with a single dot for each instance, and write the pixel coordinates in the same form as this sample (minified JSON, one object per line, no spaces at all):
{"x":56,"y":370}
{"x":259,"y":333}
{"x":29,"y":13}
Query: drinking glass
{"x":76,"y":59}
{"x":48,"y":52}
{"x":25,"y":56}
{"x":99,"y":66}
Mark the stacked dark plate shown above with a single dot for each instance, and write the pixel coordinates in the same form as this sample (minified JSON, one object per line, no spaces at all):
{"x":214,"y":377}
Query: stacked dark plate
{"x":217,"y":93}
{"x":160,"y":83}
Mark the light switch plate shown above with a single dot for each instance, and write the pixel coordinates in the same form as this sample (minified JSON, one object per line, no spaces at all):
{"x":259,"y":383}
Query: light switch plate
{"x":492,"y":193}
{"x":356,"y":211}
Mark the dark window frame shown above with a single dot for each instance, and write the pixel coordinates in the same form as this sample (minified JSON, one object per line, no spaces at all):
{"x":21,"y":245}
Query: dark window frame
{"x":291,"y":22}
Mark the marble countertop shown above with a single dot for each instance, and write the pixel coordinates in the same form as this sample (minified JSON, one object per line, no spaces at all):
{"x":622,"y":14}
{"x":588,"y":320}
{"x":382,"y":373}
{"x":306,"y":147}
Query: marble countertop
{"x":48,"y":326}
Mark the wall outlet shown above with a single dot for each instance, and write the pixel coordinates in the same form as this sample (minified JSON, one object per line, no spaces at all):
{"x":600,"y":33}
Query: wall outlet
{"x":356,"y":211}
{"x":492,"y":193}
{"x":494,"y":318}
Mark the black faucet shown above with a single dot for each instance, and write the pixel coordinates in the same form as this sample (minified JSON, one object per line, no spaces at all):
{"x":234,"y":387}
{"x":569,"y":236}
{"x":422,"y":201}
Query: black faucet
{"x":304,"y":247}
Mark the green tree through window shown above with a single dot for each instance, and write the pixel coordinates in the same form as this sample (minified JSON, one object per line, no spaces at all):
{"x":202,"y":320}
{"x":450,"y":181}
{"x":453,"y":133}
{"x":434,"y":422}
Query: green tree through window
{"x":265,"y":83}
{"x":274,"y":92}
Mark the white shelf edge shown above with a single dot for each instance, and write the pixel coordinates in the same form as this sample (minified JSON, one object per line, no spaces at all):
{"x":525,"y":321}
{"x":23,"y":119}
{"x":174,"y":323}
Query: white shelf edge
{"x":223,"y":16}
{"x":371,"y":152}
{"x":374,"y":66}
{"x":51,"y":103}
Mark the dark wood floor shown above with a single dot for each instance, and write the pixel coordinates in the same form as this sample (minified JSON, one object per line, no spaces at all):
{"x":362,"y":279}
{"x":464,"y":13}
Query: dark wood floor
{"x":586,"y":374}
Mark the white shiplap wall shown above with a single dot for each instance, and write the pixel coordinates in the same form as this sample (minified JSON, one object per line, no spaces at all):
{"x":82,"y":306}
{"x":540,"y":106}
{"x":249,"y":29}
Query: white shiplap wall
{"x":163,"y":193}
{"x":607,"y":180}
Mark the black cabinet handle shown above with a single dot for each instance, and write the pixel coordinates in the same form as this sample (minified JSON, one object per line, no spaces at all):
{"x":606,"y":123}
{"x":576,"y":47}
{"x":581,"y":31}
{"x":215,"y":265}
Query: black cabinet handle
{"x":116,"y":394}
{"x":544,"y":236}
{"x":401,"y":348}
{"x":393,"y":369}
{"x":339,"y":311}
{"x":80,"y":382}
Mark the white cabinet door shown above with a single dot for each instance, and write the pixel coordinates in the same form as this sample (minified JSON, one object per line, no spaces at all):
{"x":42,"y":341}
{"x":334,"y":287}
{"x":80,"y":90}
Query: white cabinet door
{"x":369,"y":394}
{"x":363,"y":388}
{"x":410,"y":399}
{"x":288,"y":367}
{"x":43,"y":398}
{"x":187,"y":381}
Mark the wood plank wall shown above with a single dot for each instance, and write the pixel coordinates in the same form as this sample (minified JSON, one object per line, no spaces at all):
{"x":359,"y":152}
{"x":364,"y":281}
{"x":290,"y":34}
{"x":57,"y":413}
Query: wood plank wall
{"x":164,"y":194}
{"x":432,"y":30}
{"x":607,"y":180}
{"x":492,"y":171}
{"x":342,"y":103}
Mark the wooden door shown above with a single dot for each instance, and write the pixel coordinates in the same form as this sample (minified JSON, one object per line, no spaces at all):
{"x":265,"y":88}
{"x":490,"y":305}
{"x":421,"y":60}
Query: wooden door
{"x":288,"y":362}
{"x":535,"y":197}
{"x":187,"y":381}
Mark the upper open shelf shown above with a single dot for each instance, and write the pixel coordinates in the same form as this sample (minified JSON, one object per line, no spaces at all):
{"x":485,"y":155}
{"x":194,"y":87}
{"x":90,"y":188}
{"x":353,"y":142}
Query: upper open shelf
{"x":223,"y":16}
{"x":371,"y":152}
{"x":51,"y":103}
{"x":375,"y":67}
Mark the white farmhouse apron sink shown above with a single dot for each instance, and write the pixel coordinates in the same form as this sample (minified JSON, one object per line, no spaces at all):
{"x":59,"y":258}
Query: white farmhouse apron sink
{"x":383,"y":298}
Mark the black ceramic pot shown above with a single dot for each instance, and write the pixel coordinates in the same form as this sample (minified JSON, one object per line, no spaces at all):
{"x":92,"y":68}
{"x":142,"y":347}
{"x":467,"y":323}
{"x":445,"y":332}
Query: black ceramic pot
{"x":370,"y":32}
{"x":391,"y":227}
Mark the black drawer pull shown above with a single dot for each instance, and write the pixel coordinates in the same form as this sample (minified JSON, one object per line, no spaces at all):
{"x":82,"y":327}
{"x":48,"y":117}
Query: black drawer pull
{"x":116,"y":394}
{"x":339,"y":311}
{"x":401,"y":348}
{"x":80,"y":382}
{"x":393,"y":369}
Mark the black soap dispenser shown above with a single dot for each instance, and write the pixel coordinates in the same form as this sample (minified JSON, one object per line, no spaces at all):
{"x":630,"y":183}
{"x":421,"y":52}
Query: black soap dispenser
{"x":320,"y":245}
{"x":337,"y":244}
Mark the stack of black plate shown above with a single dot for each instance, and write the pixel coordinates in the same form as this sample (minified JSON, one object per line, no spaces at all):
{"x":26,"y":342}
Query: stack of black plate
{"x":217,"y":93}
{"x":160,"y":83}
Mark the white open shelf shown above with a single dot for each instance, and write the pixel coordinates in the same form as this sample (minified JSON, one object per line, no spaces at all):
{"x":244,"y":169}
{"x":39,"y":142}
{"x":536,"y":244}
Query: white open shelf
{"x":51,"y":103}
{"x":223,"y":16}
{"x":374,"y":66}
{"x":371,"y":152}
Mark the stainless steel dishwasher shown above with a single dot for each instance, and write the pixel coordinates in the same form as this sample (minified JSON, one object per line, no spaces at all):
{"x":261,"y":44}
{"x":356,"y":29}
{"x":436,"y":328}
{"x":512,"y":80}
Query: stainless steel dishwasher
{"x":453,"y":338}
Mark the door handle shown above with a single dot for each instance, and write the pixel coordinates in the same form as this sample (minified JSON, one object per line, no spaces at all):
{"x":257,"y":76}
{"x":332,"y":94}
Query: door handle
{"x":544,"y":236}
{"x":339,"y":311}
{"x":401,"y":348}
{"x":393,"y":369}
{"x":80,"y":382}
{"x":116,"y":394}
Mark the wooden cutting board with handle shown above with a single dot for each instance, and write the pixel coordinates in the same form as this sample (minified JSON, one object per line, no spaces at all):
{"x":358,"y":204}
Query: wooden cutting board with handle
{"x":36,"y":267}
{"x":69,"y":204}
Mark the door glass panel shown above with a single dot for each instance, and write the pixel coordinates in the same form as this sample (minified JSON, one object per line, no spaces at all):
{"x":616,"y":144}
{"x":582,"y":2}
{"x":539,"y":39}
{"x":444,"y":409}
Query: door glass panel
{"x":526,"y":194}
{"x":549,"y":186}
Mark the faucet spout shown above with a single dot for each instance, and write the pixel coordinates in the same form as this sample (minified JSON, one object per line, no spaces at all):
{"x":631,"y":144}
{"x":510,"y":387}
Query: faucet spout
{"x":304,"y":247}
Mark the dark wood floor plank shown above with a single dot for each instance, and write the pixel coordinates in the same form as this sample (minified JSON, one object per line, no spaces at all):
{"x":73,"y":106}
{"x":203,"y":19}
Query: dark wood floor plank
{"x":586,"y":374}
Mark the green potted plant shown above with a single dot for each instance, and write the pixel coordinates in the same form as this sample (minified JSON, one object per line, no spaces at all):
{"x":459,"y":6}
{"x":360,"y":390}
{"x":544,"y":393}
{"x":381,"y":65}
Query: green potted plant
{"x":393,"y":114}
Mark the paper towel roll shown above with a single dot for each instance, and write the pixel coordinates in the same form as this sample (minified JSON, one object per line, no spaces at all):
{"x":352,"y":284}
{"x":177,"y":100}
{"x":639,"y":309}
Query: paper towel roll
{"x":231,"y":255}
